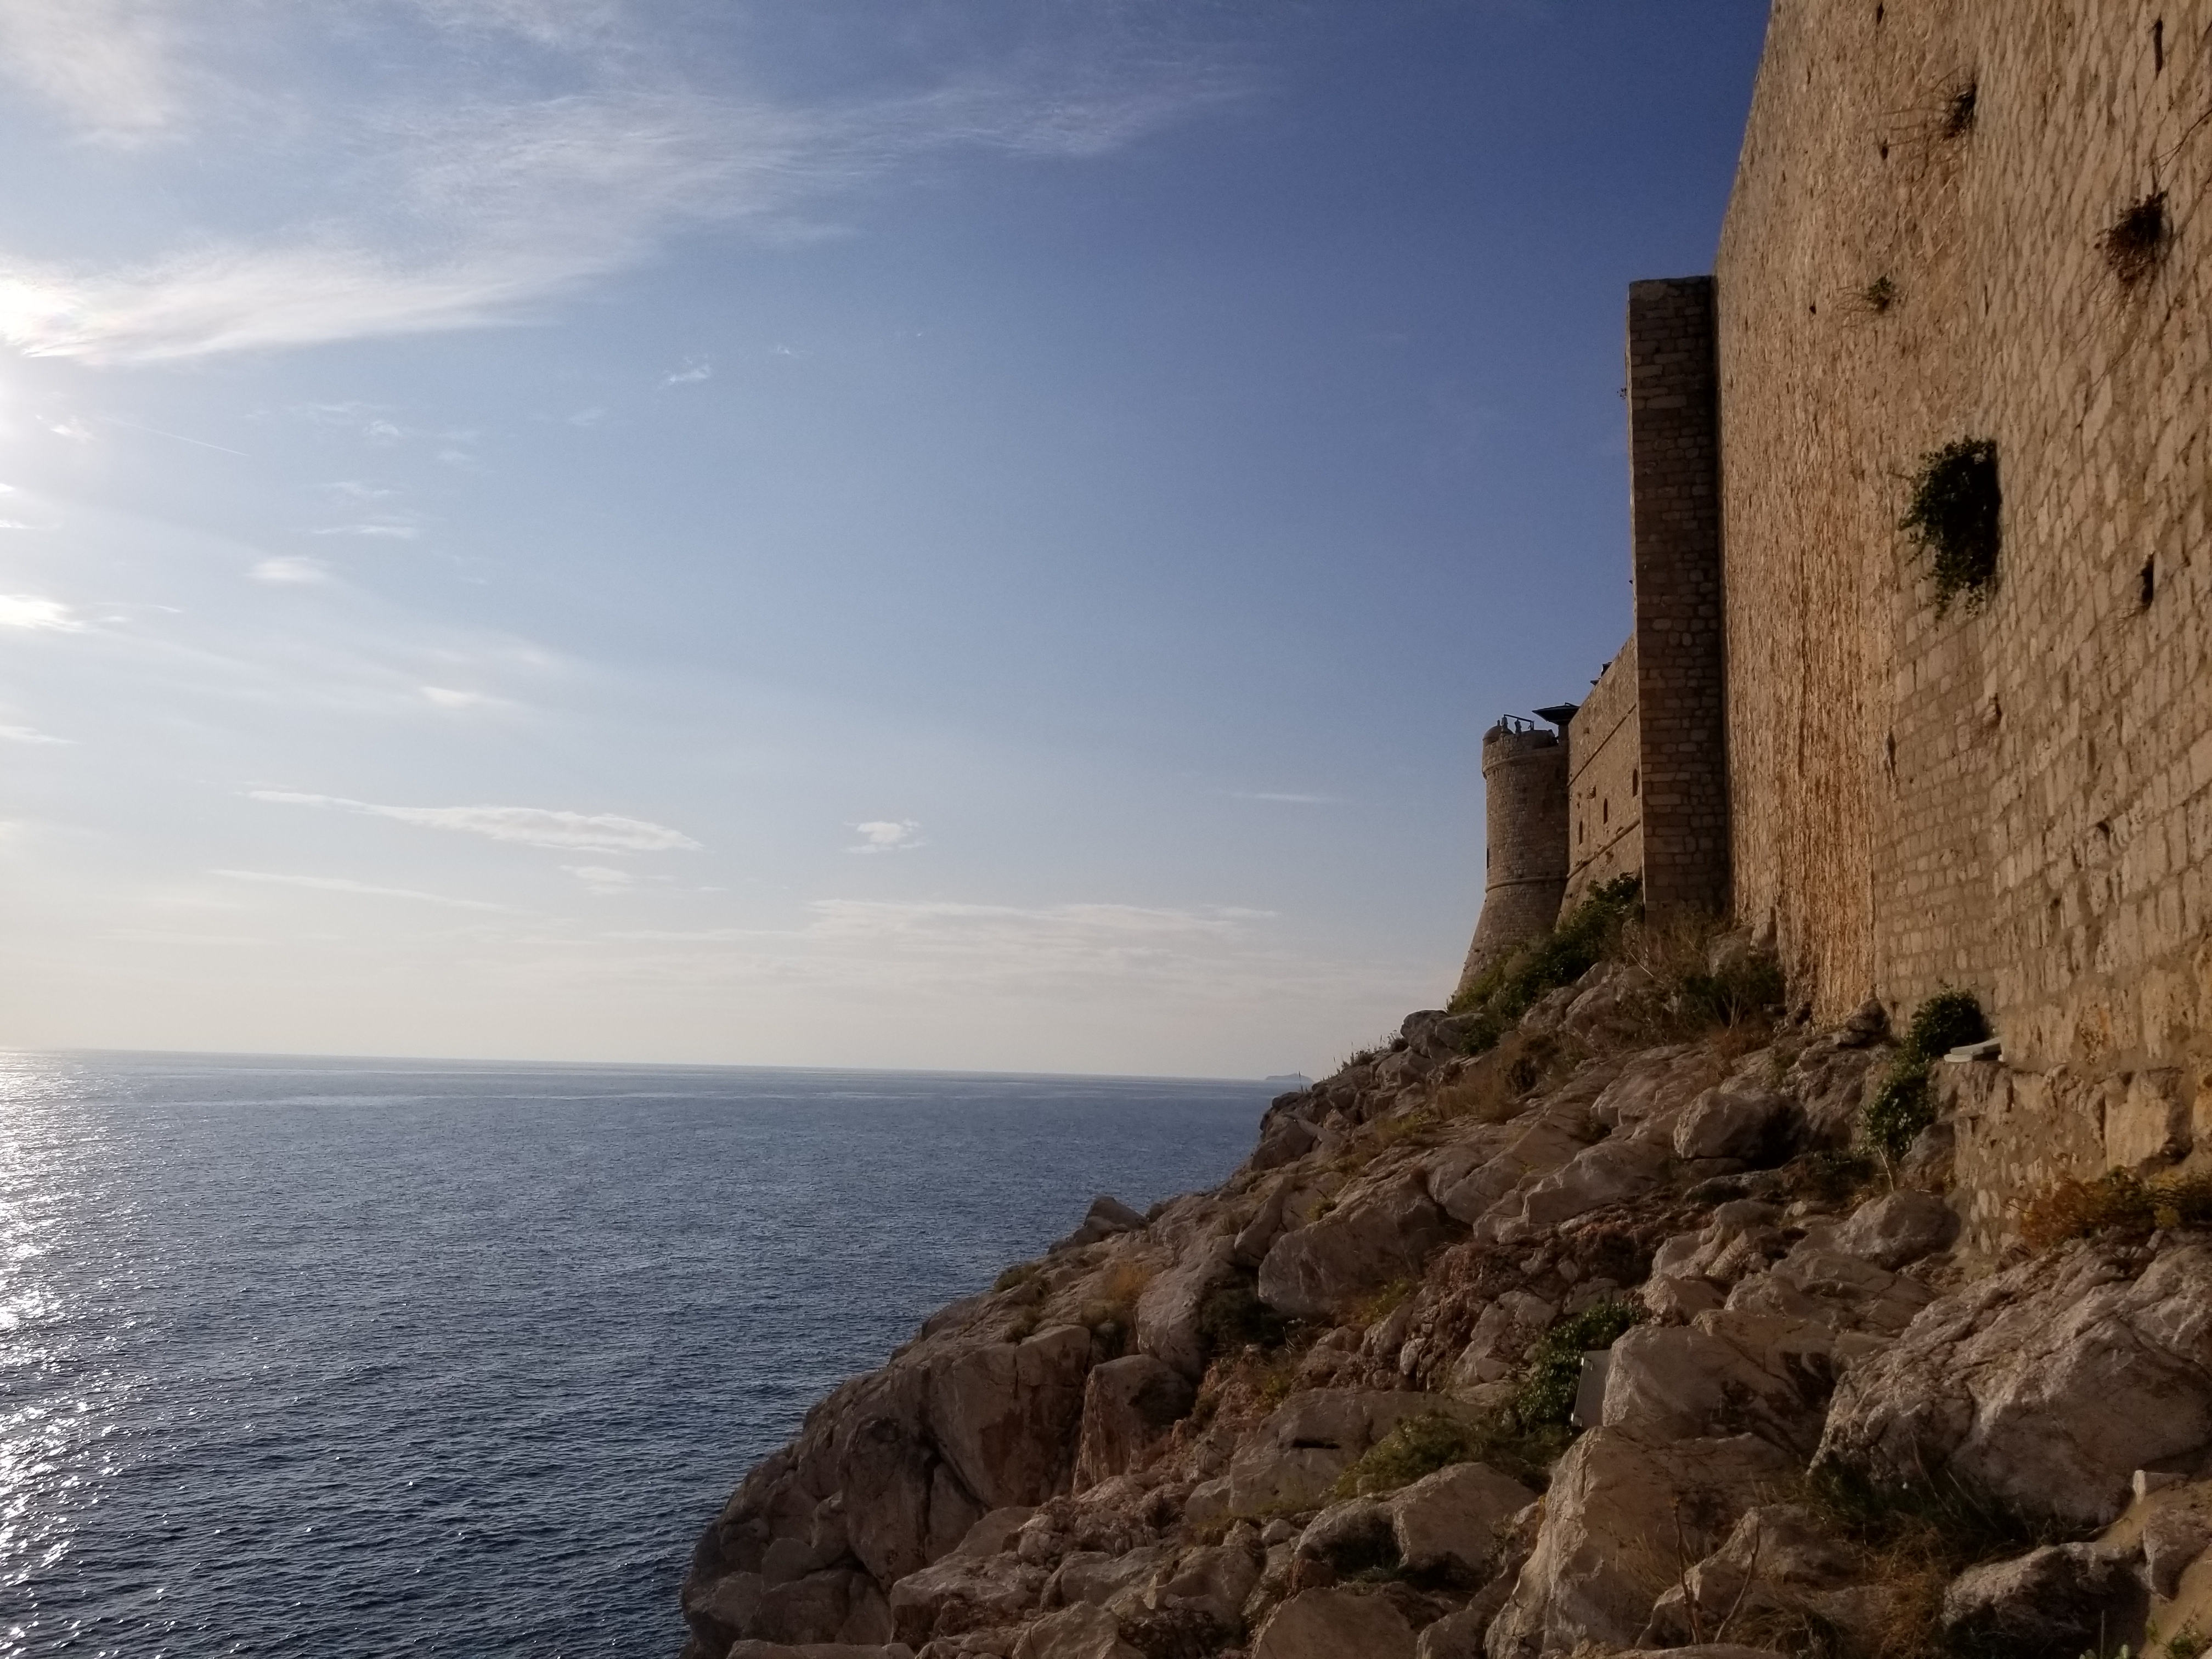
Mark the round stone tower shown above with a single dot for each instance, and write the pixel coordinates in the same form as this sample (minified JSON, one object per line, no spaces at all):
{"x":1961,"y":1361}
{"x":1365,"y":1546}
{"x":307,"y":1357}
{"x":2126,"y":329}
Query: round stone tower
{"x":1524,"y":777}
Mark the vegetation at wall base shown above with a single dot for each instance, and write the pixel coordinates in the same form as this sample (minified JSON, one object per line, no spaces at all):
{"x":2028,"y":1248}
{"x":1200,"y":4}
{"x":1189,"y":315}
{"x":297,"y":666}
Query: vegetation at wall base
{"x":1583,"y":940}
{"x":1905,"y":1104}
{"x":2116,"y":1202}
{"x":1952,"y":520}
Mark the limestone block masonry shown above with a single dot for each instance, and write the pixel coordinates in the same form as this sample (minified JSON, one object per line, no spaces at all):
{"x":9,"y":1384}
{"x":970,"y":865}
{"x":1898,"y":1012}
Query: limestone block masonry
{"x":1604,"y":781}
{"x":2014,"y":796}
{"x":2018,"y":798}
{"x":1524,"y":778}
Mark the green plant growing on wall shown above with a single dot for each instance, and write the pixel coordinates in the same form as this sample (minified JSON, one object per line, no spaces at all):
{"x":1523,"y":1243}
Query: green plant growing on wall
{"x":2134,"y":242}
{"x":1905,"y":1103}
{"x":1952,"y":520}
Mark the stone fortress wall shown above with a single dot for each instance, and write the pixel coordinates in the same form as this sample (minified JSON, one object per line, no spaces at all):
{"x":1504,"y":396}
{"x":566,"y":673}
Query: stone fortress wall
{"x":1606,"y":780}
{"x":2016,"y":798}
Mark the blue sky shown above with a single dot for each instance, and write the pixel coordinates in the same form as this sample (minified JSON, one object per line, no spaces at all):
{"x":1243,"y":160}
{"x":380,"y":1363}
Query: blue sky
{"x":974,"y":533}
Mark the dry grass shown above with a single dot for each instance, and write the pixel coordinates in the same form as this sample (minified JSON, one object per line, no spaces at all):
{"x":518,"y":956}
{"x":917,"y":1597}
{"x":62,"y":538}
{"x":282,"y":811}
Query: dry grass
{"x":2115,"y":1203}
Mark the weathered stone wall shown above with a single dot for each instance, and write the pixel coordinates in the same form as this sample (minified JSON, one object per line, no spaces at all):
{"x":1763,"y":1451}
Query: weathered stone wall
{"x":1524,"y":781}
{"x":1675,"y":568}
{"x":1604,"y":781}
{"x":2016,"y":799}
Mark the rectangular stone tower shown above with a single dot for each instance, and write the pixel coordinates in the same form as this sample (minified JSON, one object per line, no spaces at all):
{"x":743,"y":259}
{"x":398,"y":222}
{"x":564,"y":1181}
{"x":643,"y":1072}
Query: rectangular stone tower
{"x":1680,"y":628}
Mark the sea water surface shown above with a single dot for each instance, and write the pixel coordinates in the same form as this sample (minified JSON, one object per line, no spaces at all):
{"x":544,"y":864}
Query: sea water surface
{"x":334,"y":1357}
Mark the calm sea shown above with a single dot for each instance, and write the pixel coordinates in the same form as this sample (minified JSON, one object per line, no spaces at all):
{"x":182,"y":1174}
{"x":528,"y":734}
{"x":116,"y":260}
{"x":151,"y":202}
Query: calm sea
{"x":331,"y":1357}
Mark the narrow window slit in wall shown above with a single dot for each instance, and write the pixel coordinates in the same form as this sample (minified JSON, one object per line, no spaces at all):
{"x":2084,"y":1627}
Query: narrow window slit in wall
{"x":1605,"y":811}
{"x":1632,"y":774}
{"x":2158,"y":46}
{"x":2147,"y":589}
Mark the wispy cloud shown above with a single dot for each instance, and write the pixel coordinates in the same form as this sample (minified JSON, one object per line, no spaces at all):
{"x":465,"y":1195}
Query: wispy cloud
{"x":28,"y":734}
{"x":883,"y":836}
{"x":107,"y":64}
{"x":391,"y":529}
{"x":1284,"y":796}
{"x":342,"y":884}
{"x":447,"y":698}
{"x":24,"y":611}
{"x":602,"y":879}
{"x":529,"y":826}
{"x":481,"y":211}
{"x":690,"y":374}
{"x":291,"y":572}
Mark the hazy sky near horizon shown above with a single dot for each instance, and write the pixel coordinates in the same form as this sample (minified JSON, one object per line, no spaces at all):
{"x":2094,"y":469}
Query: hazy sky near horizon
{"x":971,"y":533}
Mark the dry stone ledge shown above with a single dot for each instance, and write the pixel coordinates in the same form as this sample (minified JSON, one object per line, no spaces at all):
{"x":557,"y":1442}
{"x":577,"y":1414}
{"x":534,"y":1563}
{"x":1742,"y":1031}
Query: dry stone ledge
{"x":2046,"y":1386}
{"x":1170,"y":1308}
{"x":1379,"y":1231}
{"x":1898,"y":1229}
{"x":751,"y":1650}
{"x":1082,"y":1631}
{"x":1003,"y":1415}
{"x":1127,"y":1404}
{"x":1447,"y":1523}
{"x":2051,"y":1603}
{"x":1293,"y":1460}
{"x":1335,"y":1624}
{"x":1617,"y":1516}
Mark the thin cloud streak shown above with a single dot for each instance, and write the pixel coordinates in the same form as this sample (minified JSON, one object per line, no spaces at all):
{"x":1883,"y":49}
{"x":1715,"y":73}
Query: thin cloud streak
{"x":342,"y":884}
{"x":527,"y":826}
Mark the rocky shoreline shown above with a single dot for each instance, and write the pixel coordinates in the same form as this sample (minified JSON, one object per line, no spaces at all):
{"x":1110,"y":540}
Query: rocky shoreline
{"x":1611,"y":1338}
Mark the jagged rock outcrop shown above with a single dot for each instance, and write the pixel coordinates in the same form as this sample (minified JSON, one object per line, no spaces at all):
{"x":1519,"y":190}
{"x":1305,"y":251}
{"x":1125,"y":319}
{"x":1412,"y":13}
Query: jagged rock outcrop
{"x":1323,"y":1409}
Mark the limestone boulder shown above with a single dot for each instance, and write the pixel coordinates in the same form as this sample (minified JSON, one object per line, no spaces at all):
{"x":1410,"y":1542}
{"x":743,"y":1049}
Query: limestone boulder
{"x":1095,"y":1577}
{"x":1725,"y":1374}
{"x":1005,"y":1416}
{"x":1170,"y":1309}
{"x":1622,"y":1167}
{"x":1502,"y":1335}
{"x":1618,"y":1518}
{"x":1208,"y":1587}
{"x":1898,"y":1229}
{"x":1106,"y":1217}
{"x":1738,"y":1120}
{"x":1448,"y":1524}
{"x":752,"y":1650}
{"x":1473,"y":1176}
{"x":1830,"y":1080}
{"x":2046,"y":1386}
{"x":1656,"y":1084}
{"x":1827,"y":1286}
{"x":963,"y":1592}
{"x":1284,"y":1139}
{"x":1081,"y":1632}
{"x":1778,"y":1568}
{"x":1128,"y":1404}
{"x":2051,"y":1603}
{"x":810,"y":1609}
{"x":1378,"y":1232}
{"x":1349,"y":1537}
{"x":1293,"y":1460}
{"x":1335,"y":1624}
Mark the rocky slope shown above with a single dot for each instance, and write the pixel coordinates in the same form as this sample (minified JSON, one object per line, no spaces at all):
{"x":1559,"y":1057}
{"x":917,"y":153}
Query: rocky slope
{"x":1602,"y":1340}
